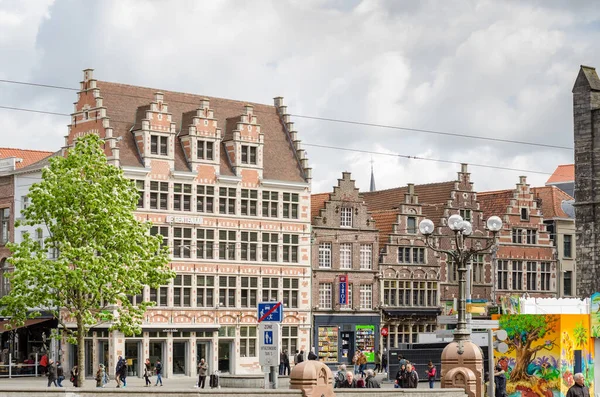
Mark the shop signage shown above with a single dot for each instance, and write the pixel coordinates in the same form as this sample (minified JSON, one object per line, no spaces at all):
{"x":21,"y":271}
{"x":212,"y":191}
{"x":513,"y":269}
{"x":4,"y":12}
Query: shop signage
{"x":270,"y":312}
{"x":384,"y":331}
{"x":192,"y":220}
{"x":170,"y":330}
{"x":268,"y":344}
{"x":343,"y":290}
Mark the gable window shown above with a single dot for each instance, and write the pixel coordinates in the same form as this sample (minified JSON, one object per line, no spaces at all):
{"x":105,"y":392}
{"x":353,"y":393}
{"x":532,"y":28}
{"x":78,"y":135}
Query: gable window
{"x":205,"y":150}
{"x":524,"y":214}
{"x":411,"y":225}
{"x":517,"y":275}
{"x":524,"y":236}
{"x":325,"y":255}
{"x":227,"y":200}
{"x":182,"y":199}
{"x":411,"y":255}
{"x":159,"y":195}
{"x":249,"y":202}
{"x":502,"y":274}
{"x":466,"y":214}
{"x":205,"y":199}
{"x":270,"y":243}
{"x":452,"y":271}
{"x":346,"y":217}
{"x":532,"y":276}
{"x":290,"y":205}
{"x":270,"y":201}
{"x":478,"y":268}
{"x":159,"y":145}
{"x":248,"y":154}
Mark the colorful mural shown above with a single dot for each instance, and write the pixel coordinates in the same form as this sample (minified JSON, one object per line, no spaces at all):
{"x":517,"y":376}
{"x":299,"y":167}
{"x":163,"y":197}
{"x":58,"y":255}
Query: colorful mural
{"x":545,"y":351}
{"x":595,"y":315}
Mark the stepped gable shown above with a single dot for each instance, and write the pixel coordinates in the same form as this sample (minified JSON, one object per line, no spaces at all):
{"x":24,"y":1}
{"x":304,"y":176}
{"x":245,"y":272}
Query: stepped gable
{"x":317,"y":203}
{"x":123,"y":102}
{"x":431,"y":193}
{"x":495,"y":202}
{"x":551,"y":199}
{"x":27,"y":157}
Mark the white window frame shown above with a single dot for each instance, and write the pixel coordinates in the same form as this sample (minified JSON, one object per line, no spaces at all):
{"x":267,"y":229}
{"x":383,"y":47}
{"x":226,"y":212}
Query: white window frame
{"x":366,"y":257}
{"x":346,"y":256}
{"x":366,"y":296}
{"x":346,"y":217}
{"x":325,"y":295}
{"x":325,"y":255}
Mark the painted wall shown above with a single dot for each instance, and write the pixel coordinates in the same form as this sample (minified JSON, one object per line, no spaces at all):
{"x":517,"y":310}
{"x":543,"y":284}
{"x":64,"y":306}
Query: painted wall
{"x":545,"y":351}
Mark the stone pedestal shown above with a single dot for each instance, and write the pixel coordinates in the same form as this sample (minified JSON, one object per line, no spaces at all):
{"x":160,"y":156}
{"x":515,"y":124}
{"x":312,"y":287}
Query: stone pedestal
{"x":314,"y":379}
{"x":464,"y":370}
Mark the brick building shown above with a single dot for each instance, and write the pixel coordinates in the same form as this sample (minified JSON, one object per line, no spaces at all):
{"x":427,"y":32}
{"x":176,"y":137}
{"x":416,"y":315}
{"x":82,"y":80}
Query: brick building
{"x":417,"y":283}
{"x":345,"y":288}
{"x":526,"y":256}
{"x":586,"y":123}
{"x":228,"y":187}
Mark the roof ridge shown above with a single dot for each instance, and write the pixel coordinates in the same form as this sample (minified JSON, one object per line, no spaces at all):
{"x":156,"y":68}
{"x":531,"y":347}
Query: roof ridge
{"x":479,"y":194}
{"x":405,"y":186}
{"x":180,"y":93}
{"x":27,"y":150}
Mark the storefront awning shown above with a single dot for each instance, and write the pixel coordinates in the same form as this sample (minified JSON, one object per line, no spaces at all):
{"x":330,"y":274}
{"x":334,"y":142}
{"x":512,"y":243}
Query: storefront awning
{"x":5,"y":324}
{"x":414,"y":311}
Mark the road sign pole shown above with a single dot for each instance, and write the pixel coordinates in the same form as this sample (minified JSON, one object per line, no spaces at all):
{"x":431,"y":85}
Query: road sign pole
{"x":274,"y":375}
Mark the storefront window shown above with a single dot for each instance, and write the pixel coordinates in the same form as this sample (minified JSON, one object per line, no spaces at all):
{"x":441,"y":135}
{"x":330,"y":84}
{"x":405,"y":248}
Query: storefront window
{"x":365,"y":340}
{"x":328,"y":344}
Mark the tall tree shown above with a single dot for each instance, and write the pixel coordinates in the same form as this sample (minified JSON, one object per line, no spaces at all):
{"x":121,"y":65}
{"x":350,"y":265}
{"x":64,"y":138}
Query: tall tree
{"x":522,"y":331}
{"x":103,"y":254}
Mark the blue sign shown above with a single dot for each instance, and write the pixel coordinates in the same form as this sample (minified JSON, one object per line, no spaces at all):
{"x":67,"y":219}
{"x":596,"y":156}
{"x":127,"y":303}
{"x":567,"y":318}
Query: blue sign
{"x":343,"y":290}
{"x":270,"y":312}
{"x":268,"y":337}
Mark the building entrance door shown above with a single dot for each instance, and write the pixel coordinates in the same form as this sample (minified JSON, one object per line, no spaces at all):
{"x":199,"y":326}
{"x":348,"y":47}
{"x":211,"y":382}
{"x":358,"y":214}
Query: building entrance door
{"x":204,"y":351}
{"x":180,"y":358}
{"x":347,"y":347}
{"x":225,"y":356}
{"x":157,"y":352}
{"x":89,"y":358}
{"x":103,"y":352}
{"x":132,"y":355}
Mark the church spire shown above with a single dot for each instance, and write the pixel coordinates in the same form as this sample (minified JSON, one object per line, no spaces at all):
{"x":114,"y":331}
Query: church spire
{"x":372,"y":186}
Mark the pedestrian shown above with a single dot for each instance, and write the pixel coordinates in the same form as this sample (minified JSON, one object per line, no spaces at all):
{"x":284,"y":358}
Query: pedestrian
{"x":51,"y":373}
{"x":311,"y":354}
{"x":371,"y":382}
{"x":44,"y":364}
{"x":281,"y":363}
{"x":286,"y":363}
{"x":384,"y":362}
{"x":202,"y":371}
{"x":355,"y":362}
{"x":431,"y":374}
{"x":413,"y":377}
{"x":158,"y":369}
{"x":401,"y":378}
{"x":104,"y":375}
{"x":499,"y":381}
{"x":300,"y":357}
{"x":147,"y":372}
{"x":60,"y":374}
{"x":362,"y":364}
{"x":579,"y":389}
{"x":75,"y":376}
{"x":124,"y":372}
{"x":377,"y":362}
{"x":340,"y":376}
{"x":98,"y":377}
{"x":118,"y":370}
{"x":349,"y":382}
{"x":296,"y":357}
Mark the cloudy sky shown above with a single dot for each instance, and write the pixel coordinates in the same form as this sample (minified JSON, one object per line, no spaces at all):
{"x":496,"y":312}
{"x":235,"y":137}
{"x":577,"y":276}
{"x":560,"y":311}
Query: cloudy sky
{"x":495,"y":69}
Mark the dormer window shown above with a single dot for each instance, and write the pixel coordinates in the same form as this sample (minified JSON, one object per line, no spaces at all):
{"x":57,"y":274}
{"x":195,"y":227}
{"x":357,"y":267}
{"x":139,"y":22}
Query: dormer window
{"x":205,"y":150}
{"x":411,"y":225}
{"x":248,"y":154}
{"x":159,"y":145}
{"x":524,"y":214}
{"x":346,"y":217}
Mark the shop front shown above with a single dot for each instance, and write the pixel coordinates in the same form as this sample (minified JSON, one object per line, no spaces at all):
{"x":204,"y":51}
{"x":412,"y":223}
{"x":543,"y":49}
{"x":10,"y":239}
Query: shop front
{"x":338,"y":337}
{"x":22,"y":344}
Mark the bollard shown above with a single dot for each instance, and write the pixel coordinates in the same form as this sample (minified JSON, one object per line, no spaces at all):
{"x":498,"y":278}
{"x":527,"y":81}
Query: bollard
{"x":9,"y":365}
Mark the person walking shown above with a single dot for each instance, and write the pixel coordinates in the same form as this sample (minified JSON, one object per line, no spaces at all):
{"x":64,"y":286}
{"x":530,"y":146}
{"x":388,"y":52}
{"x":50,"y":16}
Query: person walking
{"x":44,"y":364}
{"x":579,"y":389}
{"x":499,"y":381}
{"x":377,"y":362}
{"x":51,"y":373}
{"x":296,"y":357}
{"x":300,"y":357}
{"x":384,"y":361}
{"x":286,"y":363}
{"x":118,"y":370}
{"x":349,"y":382}
{"x":98,"y":376}
{"x":371,"y":382}
{"x":104,"y":375}
{"x":202,"y":371}
{"x":124,"y":372}
{"x":147,"y":372}
{"x":75,"y":376}
{"x":281,"y":364}
{"x":431,"y":374}
{"x":401,"y":378}
{"x":311,"y":354}
{"x":362,"y":364}
{"x":60,"y":374}
{"x":413,"y":377}
{"x":158,"y":368}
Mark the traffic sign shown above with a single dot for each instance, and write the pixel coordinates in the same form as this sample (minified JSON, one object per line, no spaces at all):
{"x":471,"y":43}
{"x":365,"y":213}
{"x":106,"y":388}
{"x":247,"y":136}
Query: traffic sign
{"x":268,"y":344}
{"x":270,"y":312}
{"x":444,"y":333}
{"x":447,"y":320}
{"x":486,"y":324}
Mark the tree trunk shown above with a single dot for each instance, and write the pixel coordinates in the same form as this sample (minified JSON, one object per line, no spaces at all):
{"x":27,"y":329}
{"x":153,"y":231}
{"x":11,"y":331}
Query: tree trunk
{"x":80,"y":352}
{"x":523,"y":359}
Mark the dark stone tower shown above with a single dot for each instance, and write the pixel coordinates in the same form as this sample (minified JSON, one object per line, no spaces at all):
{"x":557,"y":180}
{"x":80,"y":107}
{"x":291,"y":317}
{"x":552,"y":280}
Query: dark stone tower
{"x":586,"y":106}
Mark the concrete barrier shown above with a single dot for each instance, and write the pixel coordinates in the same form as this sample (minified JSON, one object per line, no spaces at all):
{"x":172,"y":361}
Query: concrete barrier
{"x":400,"y":392}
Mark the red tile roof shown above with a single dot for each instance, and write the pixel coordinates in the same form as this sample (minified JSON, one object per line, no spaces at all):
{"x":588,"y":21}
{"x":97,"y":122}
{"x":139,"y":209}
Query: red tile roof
{"x":563,"y":173}
{"x":29,"y":156}
{"x":123,"y":102}
{"x":495,"y":202}
{"x":384,"y":222}
{"x":552,"y":198}
{"x":317,"y":202}
{"x":431,"y":193}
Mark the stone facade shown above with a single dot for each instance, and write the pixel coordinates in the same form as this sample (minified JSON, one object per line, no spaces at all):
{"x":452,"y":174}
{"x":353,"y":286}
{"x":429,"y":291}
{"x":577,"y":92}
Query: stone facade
{"x":228,"y":187}
{"x":344,"y":256}
{"x":586,"y":103}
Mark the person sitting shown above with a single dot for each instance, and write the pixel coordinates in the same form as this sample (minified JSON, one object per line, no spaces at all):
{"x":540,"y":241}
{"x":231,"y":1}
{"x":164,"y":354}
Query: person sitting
{"x":340,"y":376}
{"x":370,"y":381}
{"x":349,"y":382}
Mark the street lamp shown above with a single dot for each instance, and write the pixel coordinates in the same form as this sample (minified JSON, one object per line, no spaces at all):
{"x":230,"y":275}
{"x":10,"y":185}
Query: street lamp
{"x":465,"y":247}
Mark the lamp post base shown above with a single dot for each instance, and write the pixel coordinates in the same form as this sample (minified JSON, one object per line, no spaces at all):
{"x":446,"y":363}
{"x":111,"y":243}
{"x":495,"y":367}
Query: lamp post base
{"x":464,"y":370}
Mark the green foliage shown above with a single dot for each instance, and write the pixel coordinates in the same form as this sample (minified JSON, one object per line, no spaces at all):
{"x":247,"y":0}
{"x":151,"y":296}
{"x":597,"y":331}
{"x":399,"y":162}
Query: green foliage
{"x":104,"y":253}
{"x":518,"y":325}
{"x":581,"y":335}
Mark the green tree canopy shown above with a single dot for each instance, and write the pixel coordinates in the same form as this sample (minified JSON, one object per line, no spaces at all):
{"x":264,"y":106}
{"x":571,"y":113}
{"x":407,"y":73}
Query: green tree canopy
{"x":104,"y":254}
